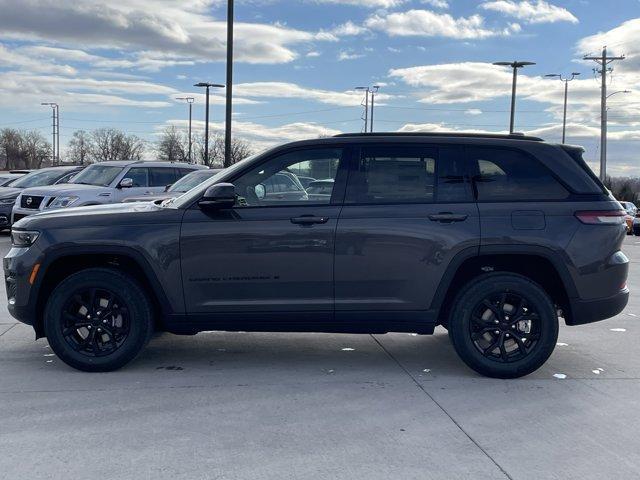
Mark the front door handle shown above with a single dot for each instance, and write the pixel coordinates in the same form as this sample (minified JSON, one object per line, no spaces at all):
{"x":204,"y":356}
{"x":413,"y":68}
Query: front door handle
{"x":308,"y":220}
{"x":448,"y":217}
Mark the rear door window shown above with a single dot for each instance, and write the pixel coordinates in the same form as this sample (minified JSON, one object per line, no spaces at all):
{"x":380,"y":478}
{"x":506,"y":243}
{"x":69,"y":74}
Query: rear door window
{"x":161,"y":177}
{"x":501,"y":174}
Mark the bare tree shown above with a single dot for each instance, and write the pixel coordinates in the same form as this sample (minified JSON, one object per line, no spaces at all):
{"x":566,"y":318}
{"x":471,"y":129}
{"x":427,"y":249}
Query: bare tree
{"x":240,"y":149}
{"x":79,"y":148}
{"x":19,"y":149}
{"x":173,"y":146}
{"x":109,"y":144}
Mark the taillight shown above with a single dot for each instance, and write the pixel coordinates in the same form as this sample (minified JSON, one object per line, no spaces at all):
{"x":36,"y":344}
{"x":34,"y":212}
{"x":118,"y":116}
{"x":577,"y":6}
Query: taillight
{"x":600,"y":217}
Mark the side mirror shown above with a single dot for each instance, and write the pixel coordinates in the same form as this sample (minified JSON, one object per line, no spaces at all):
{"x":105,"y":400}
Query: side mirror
{"x":220,"y":195}
{"x":126,"y":183}
{"x":260,"y":191}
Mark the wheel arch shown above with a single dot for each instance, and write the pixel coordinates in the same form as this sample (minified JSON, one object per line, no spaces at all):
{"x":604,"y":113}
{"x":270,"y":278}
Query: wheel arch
{"x":67,"y":261}
{"x":540,"y":264}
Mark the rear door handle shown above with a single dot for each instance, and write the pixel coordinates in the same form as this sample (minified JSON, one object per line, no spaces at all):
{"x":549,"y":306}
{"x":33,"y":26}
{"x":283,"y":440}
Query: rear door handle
{"x":448,"y":217}
{"x":308,"y":220}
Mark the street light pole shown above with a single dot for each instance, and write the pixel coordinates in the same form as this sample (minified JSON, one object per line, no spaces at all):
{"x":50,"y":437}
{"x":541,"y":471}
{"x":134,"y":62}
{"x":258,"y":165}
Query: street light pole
{"x":515,"y":66}
{"x":190,"y":101}
{"x":229,"y":105}
{"x":55,"y":132}
{"x":374,"y":90}
{"x":566,"y":94}
{"x":366,"y":105}
{"x":603,"y":140}
{"x":207,"y":85}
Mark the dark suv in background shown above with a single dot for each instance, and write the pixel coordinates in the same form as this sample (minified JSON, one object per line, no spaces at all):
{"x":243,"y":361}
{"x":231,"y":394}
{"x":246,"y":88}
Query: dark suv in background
{"x":496,"y":238}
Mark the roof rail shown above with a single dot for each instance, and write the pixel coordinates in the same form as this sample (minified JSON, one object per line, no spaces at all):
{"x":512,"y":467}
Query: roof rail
{"x":512,"y":136}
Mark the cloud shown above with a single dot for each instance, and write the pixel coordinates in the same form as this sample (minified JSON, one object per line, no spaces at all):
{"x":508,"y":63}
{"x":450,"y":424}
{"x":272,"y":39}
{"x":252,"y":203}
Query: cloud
{"x":531,"y":11}
{"x":437,"y":3}
{"x":169,"y":31}
{"x":366,"y":3}
{"x":621,"y":39}
{"x":348,"y":55}
{"x":426,"y":23}
{"x":348,"y":29}
{"x":292,"y":90}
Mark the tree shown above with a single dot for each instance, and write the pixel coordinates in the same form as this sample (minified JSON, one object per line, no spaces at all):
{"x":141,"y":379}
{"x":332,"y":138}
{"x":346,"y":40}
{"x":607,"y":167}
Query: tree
{"x":20,"y":149}
{"x":108,"y":144}
{"x":240,"y":149}
{"x":79,"y":148}
{"x":173,"y":146}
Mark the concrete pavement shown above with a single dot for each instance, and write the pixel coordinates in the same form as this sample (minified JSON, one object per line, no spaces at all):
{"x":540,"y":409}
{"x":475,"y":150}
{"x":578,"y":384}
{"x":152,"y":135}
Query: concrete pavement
{"x":285,"y":406}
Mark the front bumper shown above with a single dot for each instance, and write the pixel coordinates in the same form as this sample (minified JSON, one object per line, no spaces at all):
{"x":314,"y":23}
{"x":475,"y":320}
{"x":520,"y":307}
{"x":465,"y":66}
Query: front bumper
{"x":589,"y":311}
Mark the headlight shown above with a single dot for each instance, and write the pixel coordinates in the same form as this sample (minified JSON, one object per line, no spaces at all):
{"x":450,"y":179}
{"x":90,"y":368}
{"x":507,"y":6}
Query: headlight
{"x":23,"y":238}
{"x":62,"y":202}
{"x":7,"y":201}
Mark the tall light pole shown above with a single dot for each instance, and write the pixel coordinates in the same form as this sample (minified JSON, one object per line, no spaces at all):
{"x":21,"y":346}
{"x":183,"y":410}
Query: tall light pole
{"x":515,"y":66}
{"x":366,"y":91}
{"x":604,"y":60}
{"x":207,"y":86}
{"x":190,"y":101}
{"x":566,"y":94}
{"x":603,"y":142}
{"x":55,"y":131}
{"x":229,"y":105}
{"x":374,"y":90}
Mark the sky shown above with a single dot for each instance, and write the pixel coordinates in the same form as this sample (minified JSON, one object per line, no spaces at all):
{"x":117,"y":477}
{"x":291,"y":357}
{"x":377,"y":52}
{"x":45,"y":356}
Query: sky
{"x":122,"y":64}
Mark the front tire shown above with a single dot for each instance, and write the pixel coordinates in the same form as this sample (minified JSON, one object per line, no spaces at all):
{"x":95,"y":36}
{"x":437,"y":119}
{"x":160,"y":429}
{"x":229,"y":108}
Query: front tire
{"x":98,"y":320}
{"x":503,"y":325}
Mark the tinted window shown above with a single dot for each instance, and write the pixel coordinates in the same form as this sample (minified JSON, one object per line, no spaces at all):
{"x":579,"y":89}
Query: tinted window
{"x":139,"y":176}
{"x":39,"y":178}
{"x":393,"y":174}
{"x":276,"y":181}
{"x":510,"y":175}
{"x":161,"y":177}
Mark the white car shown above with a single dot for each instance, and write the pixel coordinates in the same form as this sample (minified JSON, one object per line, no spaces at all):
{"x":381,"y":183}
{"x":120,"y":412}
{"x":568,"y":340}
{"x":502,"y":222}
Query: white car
{"x":101,"y":183}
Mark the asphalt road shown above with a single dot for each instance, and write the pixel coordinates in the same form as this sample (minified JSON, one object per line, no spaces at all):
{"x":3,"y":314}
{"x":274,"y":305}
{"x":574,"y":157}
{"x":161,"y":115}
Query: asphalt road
{"x":289,"y":406}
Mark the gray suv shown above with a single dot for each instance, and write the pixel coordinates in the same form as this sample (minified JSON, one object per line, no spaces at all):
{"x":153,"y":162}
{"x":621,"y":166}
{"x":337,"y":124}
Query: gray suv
{"x":489,"y":236}
{"x":100,"y":183}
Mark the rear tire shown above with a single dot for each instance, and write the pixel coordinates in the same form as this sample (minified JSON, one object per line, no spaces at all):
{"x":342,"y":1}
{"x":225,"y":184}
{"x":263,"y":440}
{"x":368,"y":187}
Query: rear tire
{"x":503,"y":325}
{"x":98,"y":320}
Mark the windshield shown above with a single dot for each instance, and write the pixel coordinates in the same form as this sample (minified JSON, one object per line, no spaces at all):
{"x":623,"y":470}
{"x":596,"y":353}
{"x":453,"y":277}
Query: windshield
{"x":191,"y":180}
{"x":188,"y":198}
{"x":99,"y":175}
{"x":39,"y":179}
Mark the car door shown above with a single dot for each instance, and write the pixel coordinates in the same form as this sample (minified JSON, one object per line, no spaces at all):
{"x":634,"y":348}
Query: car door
{"x":408,"y":212}
{"x":266,"y":254}
{"x":140,"y":179}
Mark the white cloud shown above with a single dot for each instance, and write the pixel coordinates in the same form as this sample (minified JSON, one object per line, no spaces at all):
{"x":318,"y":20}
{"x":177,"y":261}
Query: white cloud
{"x":348,"y":29}
{"x":426,"y":23}
{"x":532,"y":11}
{"x":366,"y":3}
{"x":473,"y":111}
{"x":437,"y":3}
{"x":292,"y":90}
{"x":169,"y":31}
{"x":348,"y":55}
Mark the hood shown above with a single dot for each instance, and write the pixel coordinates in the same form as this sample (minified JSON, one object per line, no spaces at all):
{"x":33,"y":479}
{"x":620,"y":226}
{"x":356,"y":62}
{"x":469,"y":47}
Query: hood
{"x":152,"y":198}
{"x":101,"y":215}
{"x":65,"y":189}
{"x":8,"y":192}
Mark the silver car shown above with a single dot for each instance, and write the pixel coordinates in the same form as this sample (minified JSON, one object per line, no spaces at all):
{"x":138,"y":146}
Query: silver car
{"x":101,"y":183}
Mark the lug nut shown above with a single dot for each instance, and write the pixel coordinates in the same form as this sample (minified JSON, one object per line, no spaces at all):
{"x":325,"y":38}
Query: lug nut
{"x":496,"y":321}
{"x":507,"y":335}
{"x":497,"y":332}
{"x":507,"y":317}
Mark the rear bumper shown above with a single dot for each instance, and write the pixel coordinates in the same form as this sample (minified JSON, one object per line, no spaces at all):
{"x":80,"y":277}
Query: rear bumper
{"x":589,"y":311}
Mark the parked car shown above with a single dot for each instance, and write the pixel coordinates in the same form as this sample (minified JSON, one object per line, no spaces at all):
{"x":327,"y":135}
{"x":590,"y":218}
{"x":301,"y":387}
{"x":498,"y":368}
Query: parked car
{"x":320,"y":189}
{"x":183,"y":185}
{"x":6,"y":178}
{"x":490,"y":236}
{"x":631,"y":211}
{"x":37,"y":178}
{"x":100,"y":183}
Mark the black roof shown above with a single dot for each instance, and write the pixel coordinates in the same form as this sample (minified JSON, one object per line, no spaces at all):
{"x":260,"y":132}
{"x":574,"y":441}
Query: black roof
{"x":513,"y":136}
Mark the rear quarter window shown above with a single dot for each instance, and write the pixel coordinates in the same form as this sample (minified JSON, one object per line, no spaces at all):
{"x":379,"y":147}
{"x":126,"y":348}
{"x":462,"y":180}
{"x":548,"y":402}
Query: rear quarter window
{"x":502,"y":174}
